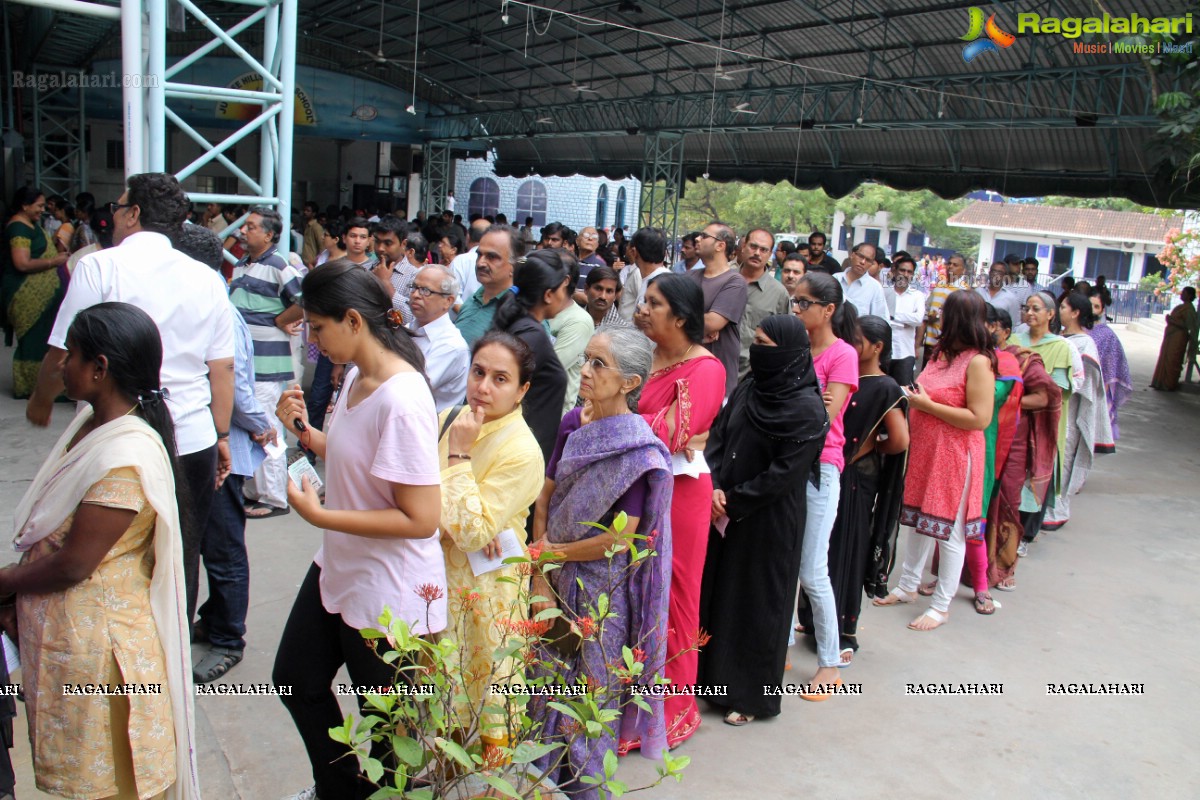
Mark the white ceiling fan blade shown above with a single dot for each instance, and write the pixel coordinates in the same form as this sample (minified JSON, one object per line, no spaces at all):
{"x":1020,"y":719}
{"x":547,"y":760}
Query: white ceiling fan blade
{"x":728,"y":73}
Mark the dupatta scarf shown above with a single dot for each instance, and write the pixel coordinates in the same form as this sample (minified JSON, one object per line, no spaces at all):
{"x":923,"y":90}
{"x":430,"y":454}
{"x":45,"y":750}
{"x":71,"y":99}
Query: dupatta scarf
{"x":1114,"y":366}
{"x":57,"y":489}
{"x":599,"y":463}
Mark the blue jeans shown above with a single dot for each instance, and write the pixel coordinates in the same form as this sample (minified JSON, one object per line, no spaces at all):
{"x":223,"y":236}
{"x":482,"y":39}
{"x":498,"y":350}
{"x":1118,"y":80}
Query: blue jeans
{"x":228,"y":567}
{"x":320,"y":393}
{"x":814,"y":563}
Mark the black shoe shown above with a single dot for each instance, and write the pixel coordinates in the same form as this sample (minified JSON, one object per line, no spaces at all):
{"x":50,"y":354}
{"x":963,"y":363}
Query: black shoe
{"x":215,"y":663}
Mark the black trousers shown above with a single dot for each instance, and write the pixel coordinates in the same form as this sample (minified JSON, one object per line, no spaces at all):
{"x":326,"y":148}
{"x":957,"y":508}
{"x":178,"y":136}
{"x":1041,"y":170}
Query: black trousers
{"x":200,"y":473}
{"x":228,"y":567}
{"x":314,"y":646}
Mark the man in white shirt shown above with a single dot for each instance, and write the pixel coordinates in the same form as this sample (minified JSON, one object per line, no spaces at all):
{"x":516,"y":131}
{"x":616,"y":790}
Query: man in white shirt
{"x":447,"y":357}
{"x":906,"y":312}
{"x":189,"y":304}
{"x":463,"y":266}
{"x":858,"y":287}
{"x":647,"y":252}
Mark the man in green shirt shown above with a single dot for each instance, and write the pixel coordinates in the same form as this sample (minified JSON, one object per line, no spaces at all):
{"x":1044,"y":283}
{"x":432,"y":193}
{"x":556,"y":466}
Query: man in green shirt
{"x":499,"y":248}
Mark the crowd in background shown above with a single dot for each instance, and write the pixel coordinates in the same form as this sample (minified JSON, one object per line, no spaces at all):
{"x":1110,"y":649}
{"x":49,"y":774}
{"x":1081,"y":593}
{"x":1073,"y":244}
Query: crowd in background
{"x":766,"y":417}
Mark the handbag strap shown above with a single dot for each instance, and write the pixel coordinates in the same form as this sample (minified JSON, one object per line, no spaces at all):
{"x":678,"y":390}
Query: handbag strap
{"x":453,"y":415}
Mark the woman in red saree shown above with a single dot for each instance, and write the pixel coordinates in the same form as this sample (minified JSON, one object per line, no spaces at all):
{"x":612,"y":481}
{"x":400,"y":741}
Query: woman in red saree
{"x":680,"y":401}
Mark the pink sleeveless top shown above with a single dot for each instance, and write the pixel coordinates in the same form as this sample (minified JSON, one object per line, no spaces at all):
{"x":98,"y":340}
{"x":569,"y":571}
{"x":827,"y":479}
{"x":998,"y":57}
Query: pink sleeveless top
{"x":937,"y":458}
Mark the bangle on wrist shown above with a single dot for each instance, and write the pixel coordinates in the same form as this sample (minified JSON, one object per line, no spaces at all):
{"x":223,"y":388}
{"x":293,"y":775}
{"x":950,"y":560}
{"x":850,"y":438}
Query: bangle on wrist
{"x":459,"y":456}
{"x":224,"y":435}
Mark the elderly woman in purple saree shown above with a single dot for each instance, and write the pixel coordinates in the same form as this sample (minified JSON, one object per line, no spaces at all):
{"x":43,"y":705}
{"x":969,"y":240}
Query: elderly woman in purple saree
{"x":607,"y":460}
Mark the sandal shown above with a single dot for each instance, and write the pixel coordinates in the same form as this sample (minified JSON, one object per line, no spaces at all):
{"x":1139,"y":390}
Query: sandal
{"x":895,"y":597}
{"x":823,"y":693}
{"x":1006,"y":585}
{"x":737,"y":719}
{"x":215,"y":663}
{"x":938,"y":617}
{"x":259,"y":511}
{"x":927,"y":589}
{"x":843,"y":661}
{"x":984,"y":604}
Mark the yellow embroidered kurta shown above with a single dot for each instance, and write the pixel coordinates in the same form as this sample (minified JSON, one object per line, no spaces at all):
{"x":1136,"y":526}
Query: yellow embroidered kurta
{"x":490,"y":493}
{"x":98,"y":631}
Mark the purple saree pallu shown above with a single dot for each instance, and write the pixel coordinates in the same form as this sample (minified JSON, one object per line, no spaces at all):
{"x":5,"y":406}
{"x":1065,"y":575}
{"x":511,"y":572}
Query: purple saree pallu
{"x":599,"y":464}
{"x":1118,"y":384}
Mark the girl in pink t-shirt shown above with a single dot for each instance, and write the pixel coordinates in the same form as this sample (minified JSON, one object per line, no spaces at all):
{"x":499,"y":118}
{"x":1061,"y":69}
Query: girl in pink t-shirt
{"x":382,"y":503}
{"x":833,"y":330}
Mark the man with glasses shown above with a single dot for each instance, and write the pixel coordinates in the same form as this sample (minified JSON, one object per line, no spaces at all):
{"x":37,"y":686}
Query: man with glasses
{"x":447,"y":357}
{"x":765,"y":296}
{"x":906,"y":312}
{"x":266,"y":291}
{"x":858,"y":287}
{"x":189,"y":304}
{"x":725,"y":294}
{"x":586,"y":244}
{"x":818,"y":259}
{"x":496,"y":256}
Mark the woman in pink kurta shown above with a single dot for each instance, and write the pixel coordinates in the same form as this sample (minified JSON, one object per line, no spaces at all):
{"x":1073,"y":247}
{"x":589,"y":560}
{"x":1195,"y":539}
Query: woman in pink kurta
{"x":943,"y":493}
{"x":680,"y":401}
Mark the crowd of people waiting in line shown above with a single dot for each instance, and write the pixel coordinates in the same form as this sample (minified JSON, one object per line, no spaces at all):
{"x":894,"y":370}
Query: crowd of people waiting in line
{"x":772,"y":418}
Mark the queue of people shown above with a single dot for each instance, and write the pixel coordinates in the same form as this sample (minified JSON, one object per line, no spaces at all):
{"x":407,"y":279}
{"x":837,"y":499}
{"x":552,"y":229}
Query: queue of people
{"x":767,"y":438}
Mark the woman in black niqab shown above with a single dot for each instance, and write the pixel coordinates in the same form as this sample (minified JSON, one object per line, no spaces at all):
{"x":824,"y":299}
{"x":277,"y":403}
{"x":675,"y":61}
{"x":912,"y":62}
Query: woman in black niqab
{"x":761,"y":449}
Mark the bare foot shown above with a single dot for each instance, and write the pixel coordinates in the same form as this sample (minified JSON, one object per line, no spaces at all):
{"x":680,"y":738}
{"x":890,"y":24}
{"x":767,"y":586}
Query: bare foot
{"x":847,"y":655}
{"x":927,"y":589}
{"x":928,"y":621}
{"x":895,"y":597}
{"x":825,"y":676}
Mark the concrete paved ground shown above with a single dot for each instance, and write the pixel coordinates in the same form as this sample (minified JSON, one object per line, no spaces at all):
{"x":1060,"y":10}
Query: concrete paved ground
{"x":1107,"y":599}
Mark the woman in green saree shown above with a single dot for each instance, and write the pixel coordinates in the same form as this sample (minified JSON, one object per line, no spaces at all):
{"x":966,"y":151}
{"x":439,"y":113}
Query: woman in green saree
{"x":32,"y":287}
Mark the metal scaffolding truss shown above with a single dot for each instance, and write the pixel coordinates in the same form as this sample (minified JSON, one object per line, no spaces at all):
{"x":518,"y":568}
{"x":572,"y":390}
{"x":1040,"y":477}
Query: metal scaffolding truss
{"x":1105,"y":95}
{"x":437,"y":178}
{"x":59,"y":141}
{"x":662,"y":183}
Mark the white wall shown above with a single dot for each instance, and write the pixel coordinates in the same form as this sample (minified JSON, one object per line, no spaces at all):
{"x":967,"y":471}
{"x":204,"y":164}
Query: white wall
{"x":1138,"y":250}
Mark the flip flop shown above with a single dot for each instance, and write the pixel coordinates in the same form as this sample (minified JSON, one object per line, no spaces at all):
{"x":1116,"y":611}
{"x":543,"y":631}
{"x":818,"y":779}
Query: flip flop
{"x":737,"y":719}
{"x":935,"y":615}
{"x":842,"y":652}
{"x":984,"y":604}
{"x":894,"y":597}
{"x":271,"y":512}
{"x":821,"y":697}
{"x":927,"y":589}
{"x":1012,"y":587}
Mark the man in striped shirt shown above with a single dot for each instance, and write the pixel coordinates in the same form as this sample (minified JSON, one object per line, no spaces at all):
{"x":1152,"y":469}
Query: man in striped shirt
{"x":956,"y":268}
{"x":265,"y":289}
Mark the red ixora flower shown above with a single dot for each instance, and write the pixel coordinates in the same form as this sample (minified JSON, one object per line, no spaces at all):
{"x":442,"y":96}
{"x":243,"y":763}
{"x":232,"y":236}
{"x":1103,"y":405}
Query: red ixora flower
{"x":587,"y":627}
{"x":701,"y":638}
{"x":429,"y":592}
{"x":639,"y":655}
{"x":651,"y":538}
{"x":535,"y":551}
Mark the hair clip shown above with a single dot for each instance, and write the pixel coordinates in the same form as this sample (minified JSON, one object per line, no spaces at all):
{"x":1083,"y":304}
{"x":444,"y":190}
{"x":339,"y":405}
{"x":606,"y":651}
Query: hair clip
{"x":395,"y":319}
{"x":514,"y":289}
{"x":149,"y":398}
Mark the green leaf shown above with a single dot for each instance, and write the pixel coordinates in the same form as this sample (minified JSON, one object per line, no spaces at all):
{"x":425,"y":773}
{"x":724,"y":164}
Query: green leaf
{"x":565,"y":709}
{"x":408,"y":750}
{"x":501,"y":785}
{"x":455,"y":751}
{"x":610,"y":763}
{"x":547,"y":613}
{"x":528,"y":752}
{"x":374,"y":769}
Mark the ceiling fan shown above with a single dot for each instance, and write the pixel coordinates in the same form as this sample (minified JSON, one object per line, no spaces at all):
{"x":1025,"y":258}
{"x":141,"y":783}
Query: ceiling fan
{"x":578,"y":87}
{"x":743,"y":108}
{"x":379,"y":57}
{"x":728,"y":74}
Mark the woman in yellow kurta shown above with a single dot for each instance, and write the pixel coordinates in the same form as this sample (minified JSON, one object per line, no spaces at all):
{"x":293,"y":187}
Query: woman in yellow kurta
{"x":99,"y":589}
{"x":492,"y":471}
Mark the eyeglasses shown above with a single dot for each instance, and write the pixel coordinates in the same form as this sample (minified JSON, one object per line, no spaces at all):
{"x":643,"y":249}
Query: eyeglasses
{"x":803,"y":303}
{"x":594,"y":363}
{"x":703,"y":235}
{"x":425,"y":291}
{"x":114,"y":207}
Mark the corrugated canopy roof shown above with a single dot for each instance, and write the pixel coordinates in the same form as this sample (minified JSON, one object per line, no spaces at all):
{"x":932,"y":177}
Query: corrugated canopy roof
{"x":823,"y":92}
{"x":1125,"y":226}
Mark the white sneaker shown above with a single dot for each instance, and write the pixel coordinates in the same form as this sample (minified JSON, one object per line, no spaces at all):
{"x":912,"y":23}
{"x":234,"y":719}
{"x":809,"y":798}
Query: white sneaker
{"x":307,"y":794}
{"x":1023,"y":549}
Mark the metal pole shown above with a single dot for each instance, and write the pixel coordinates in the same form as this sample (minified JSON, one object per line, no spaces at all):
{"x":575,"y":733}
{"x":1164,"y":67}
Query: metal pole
{"x":83,"y":153}
{"x":156,"y":100}
{"x":287,"y":74}
{"x":133,"y":113}
{"x":10,"y":106}
{"x":37,"y":138}
{"x":195,"y":136}
{"x":238,"y":135}
{"x":266,"y":159}
{"x":75,"y":7}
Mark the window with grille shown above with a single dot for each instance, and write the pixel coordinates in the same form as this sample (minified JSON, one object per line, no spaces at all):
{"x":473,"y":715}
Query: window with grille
{"x":531,"y":202}
{"x":484,"y":198}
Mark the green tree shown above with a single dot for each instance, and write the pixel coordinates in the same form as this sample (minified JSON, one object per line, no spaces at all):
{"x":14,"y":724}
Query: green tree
{"x":1105,"y":204}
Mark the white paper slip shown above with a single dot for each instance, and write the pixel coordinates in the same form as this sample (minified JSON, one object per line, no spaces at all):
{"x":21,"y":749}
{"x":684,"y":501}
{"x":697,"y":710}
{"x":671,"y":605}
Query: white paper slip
{"x":510,"y":547}
{"x":12,"y":658}
{"x":695,"y":468}
{"x":300,"y":469}
{"x":721,"y":523}
{"x":277,"y":448}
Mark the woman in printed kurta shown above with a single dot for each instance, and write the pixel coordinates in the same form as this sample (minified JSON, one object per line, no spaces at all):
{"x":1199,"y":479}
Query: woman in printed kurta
{"x":32,"y":288}
{"x":100,"y":585}
{"x":492,"y":472}
{"x":943,"y":495}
